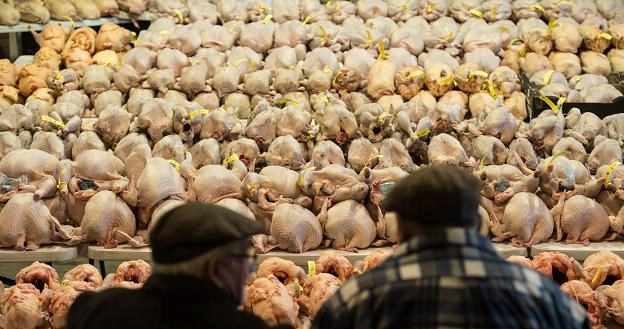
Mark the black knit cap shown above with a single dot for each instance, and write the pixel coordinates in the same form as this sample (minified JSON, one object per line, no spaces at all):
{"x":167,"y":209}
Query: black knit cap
{"x":194,"y":228}
{"x":437,"y":196}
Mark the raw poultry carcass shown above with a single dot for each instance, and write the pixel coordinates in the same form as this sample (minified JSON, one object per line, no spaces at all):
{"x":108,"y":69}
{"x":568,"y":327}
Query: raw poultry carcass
{"x":362,"y":153}
{"x":37,"y":166}
{"x":603,"y":265}
{"x":583,"y":294}
{"x":284,"y":271}
{"x":348,"y":225}
{"x":62,"y":300}
{"x":572,"y":148}
{"x":40,"y":275}
{"x":581,"y":219}
{"x":221,"y":124}
{"x":274,"y":185}
{"x":545,"y":131}
{"x":374,"y":123}
{"x":332,"y":184}
{"x":500,"y":183}
{"x":25,"y":224}
{"x":316,"y":290}
{"x":107,"y":220}
{"x":587,"y":124}
{"x":262,"y":126}
{"x":520,"y":260}
{"x":33,"y":12}
{"x":269,"y":299}
{"x":446,"y":149}
{"x":523,"y":148}
{"x":334,"y":263}
{"x":326,"y":153}
{"x":295,"y":228}
{"x":285,"y":151}
{"x":606,"y":151}
{"x":96,"y":170}
{"x":213,"y":183}
{"x":557,"y":266}
{"x":159,"y":181}
{"x":23,"y":307}
{"x":535,"y":33}
{"x":392,"y":153}
{"x":130,"y":274}
{"x":373,"y":260}
{"x":17,"y":118}
{"x":489,"y":149}
{"x":611,"y":297}
{"x":526,"y":220}
{"x":53,"y":36}
{"x":84,"y":273}
{"x":245,"y":149}
{"x":49,"y":143}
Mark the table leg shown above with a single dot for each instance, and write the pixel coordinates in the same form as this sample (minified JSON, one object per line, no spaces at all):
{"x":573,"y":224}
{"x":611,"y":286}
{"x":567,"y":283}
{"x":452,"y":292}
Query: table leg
{"x":91,"y":262}
{"x":102,"y":268}
{"x":13,"y":46}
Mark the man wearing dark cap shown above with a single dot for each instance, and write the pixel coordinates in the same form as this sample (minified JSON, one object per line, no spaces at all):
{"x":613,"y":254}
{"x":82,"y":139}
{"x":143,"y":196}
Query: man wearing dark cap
{"x":202,"y":256}
{"x":445,"y":274}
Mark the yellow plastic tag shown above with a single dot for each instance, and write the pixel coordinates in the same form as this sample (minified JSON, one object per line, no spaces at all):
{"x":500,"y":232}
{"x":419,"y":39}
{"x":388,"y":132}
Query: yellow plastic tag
{"x":503,"y":29}
{"x":449,"y":34}
{"x":476,"y":13}
{"x":382,"y":51}
{"x":492,"y":90}
{"x":415,"y":74}
{"x":302,"y":174}
{"x":261,"y":7}
{"x":596,"y":276}
{"x":176,"y":164}
{"x":230,"y":160}
{"x":330,"y":4}
{"x":328,"y":69}
{"x":306,"y":20}
{"x":71,"y":21}
{"x":430,"y":8}
{"x":556,"y":155}
{"x":45,"y":286}
{"x":59,"y":183}
{"x":239,"y":61}
{"x":606,"y":36}
{"x":610,"y":171}
{"x":267,"y":19}
{"x":423,"y":133}
{"x":446,"y":81}
{"x":53,"y":121}
{"x":179,"y":14}
{"x":58,"y":76}
{"x":195,"y":113}
{"x":165,"y":32}
{"x":252,"y":186}
{"x":369,"y":38}
{"x":493,"y":10}
{"x":65,"y":282}
{"x":323,"y":34}
{"x":537,"y":7}
{"x":478,"y":74}
{"x":368,"y":162}
{"x":338,"y":74}
{"x":383,"y":116}
{"x":323,"y":99}
{"x":551,"y":25}
{"x":548,"y":76}
{"x":405,"y":7}
{"x":311,"y":268}
{"x":564,"y":2}
{"x":134,"y":38}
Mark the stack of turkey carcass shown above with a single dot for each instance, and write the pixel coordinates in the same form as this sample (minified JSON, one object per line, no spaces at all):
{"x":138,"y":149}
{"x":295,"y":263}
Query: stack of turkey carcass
{"x":301,"y":115}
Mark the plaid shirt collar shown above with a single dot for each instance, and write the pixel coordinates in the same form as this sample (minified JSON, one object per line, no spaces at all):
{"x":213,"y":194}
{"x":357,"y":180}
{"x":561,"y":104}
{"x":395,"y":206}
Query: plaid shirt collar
{"x":452,"y":236}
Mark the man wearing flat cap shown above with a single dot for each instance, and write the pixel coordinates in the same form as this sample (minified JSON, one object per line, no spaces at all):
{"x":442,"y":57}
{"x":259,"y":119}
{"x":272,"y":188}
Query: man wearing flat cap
{"x":445,"y":274}
{"x":202,"y":256}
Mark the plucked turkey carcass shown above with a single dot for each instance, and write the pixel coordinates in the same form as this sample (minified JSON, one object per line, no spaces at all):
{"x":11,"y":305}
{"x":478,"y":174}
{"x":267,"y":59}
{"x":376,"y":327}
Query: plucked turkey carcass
{"x":84,"y":273}
{"x":40,"y":275}
{"x":274,"y":185}
{"x":581,"y":219}
{"x":284,"y":271}
{"x":606,"y":151}
{"x":23,"y":307}
{"x":526,"y":220}
{"x":317,"y":289}
{"x":62,"y":300}
{"x":213,"y":183}
{"x":130,"y":274}
{"x":597,"y":267}
{"x":348,"y":225}
{"x":37,"y":166}
{"x":334,"y":184}
{"x":334,"y":263}
{"x":97,"y":170}
{"x":295,"y":228}
{"x":107,"y":220}
{"x":558,"y":266}
{"x":269,"y":299}
{"x":446,"y":149}
{"x":26,"y":224}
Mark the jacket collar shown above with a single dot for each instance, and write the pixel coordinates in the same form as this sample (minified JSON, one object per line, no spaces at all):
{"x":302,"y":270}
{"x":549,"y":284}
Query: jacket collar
{"x":453,"y":236}
{"x":188,"y":285}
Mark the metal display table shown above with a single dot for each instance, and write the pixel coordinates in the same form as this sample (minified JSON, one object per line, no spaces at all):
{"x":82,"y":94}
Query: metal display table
{"x":578,"y":251}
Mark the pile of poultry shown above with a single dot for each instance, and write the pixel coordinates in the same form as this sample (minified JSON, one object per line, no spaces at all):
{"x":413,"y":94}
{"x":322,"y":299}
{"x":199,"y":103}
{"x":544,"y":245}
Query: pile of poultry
{"x":39,"y":299}
{"x":304,"y":116}
{"x":40,"y":12}
{"x":597,"y":284}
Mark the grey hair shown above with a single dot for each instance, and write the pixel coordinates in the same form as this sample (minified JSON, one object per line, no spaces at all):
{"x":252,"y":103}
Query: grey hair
{"x":196,"y":267}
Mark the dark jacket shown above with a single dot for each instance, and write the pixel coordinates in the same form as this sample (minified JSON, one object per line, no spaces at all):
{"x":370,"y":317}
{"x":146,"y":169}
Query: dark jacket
{"x":164,"y":302}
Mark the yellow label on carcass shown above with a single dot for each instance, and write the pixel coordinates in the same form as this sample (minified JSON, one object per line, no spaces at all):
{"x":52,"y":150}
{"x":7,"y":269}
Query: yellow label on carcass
{"x":285,"y":100}
{"x":610,"y":171}
{"x":405,"y":7}
{"x":165,"y":32}
{"x":230,"y":160}
{"x":179,"y":14}
{"x":195,"y":113}
{"x":323,"y":34}
{"x":369,"y":38}
{"x":382,"y":51}
{"x":71,"y":21}
{"x":492,"y":90}
{"x":537,"y":7}
{"x":252,"y":186}
{"x":555,"y":156}
{"x":267,"y":19}
{"x":311,"y":268}
{"x":596,"y":276}
{"x":330,"y":4}
{"x":563,"y":2}
{"x":176,"y":164}
{"x":383,"y":116}
{"x":606,"y":36}
{"x":476,"y":13}
{"x":503,"y":29}
{"x":446,"y":81}
{"x":493,"y":10}
{"x":327,"y":69}
{"x":415,"y":74}
{"x":134,"y":38}
{"x":53,"y":121}
{"x":449,"y":33}
{"x":323,"y":99}
{"x":368,"y":162}
{"x":548,"y":76}
{"x":261,"y":7}
{"x":430,"y":8}
{"x":478,"y":74}
{"x":306,"y":20}
{"x":423,"y":133}
{"x":302,"y":174}
{"x":58,"y":76}
{"x":45,"y":286}
{"x":338,"y":74}
{"x":59,"y":183}
{"x":65,"y":282}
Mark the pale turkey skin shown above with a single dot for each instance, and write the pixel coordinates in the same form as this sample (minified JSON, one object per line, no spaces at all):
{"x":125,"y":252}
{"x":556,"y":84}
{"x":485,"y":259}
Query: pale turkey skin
{"x":158,"y":182}
{"x":39,"y":275}
{"x":581,"y":219}
{"x":526,"y":220}
{"x":214,"y":183}
{"x":22,"y":307}
{"x":332,"y":262}
{"x":317,"y":289}
{"x":285,"y":271}
{"x":269,"y":299}
{"x":105,"y":216}
{"x":85,"y":273}
{"x":25,"y":224}
{"x":598,"y":266}
{"x":348,"y":225}
{"x":295,"y":228}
